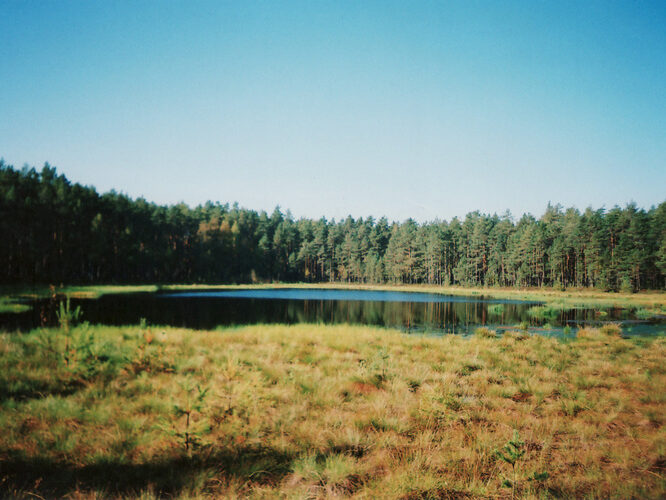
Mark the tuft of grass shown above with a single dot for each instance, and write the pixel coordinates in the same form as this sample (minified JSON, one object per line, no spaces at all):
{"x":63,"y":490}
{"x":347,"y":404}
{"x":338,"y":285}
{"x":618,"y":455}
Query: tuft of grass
{"x":547,"y":312}
{"x":484,"y":332}
{"x":611,"y":329}
{"x":516,"y":335}
{"x":588,"y":333}
{"x":606,"y":331}
{"x":651,"y":312}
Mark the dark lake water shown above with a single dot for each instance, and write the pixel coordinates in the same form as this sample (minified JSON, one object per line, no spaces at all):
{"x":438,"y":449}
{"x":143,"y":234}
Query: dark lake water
{"x":409,"y":311}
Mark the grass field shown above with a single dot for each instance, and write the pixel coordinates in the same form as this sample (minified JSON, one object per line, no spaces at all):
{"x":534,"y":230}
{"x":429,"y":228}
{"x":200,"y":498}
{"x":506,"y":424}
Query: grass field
{"x":313,"y":411}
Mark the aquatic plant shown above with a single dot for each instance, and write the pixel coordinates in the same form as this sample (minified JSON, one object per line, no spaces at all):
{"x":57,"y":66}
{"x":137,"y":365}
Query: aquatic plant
{"x":647,"y":313}
{"x":496,"y":309}
{"x":550,"y":311}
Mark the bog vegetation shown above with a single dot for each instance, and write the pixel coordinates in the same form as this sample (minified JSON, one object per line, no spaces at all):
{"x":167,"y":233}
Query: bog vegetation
{"x":325,"y":411}
{"x":58,"y":232}
{"x":312,"y":411}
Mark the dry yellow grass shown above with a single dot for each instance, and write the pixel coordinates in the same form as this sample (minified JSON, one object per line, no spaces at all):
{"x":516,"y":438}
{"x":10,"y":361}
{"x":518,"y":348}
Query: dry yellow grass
{"x":313,"y":411}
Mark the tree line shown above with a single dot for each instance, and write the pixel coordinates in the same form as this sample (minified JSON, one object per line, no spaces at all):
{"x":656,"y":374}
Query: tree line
{"x":56,"y":231}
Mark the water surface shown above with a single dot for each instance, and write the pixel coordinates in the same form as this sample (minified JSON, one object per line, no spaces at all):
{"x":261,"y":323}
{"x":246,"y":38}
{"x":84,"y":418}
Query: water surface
{"x":412,"y":312}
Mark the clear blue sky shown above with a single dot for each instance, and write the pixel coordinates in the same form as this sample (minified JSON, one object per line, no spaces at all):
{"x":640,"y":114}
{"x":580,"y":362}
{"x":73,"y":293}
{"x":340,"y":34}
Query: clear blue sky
{"x":403,"y":109}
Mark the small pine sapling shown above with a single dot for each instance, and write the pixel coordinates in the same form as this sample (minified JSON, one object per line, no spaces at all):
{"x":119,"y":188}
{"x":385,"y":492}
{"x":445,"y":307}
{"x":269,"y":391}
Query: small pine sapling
{"x":511,"y":453}
{"x":192,"y":431}
{"x":67,"y":317}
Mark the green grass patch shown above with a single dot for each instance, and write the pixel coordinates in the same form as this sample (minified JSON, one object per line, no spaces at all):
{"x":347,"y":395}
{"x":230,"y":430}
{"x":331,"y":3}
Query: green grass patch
{"x":8,"y":305}
{"x":547,"y":312}
{"x":648,"y":313}
{"x":94,"y":292}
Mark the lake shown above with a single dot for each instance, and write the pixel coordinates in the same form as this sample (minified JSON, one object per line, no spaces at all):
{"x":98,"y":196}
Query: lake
{"x":411,"y":312}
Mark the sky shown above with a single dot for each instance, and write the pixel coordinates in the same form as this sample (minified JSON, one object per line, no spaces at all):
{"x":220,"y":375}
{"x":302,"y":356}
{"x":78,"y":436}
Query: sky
{"x":427,"y":110}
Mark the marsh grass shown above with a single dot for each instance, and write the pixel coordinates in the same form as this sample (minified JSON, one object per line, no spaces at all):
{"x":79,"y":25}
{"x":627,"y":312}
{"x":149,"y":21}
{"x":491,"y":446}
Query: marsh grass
{"x":484,"y":332}
{"x":10,"y":305}
{"x":607,"y":330}
{"x":313,"y":411}
{"x":547,"y":312}
{"x":648,"y":303}
{"x":94,"y":292}
{"x":650,"y":312}
{"x":653,"y":300}
{"x":496,"y":309}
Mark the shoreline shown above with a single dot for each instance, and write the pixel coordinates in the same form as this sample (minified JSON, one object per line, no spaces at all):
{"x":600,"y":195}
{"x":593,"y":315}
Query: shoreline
{"x":654,"y":301}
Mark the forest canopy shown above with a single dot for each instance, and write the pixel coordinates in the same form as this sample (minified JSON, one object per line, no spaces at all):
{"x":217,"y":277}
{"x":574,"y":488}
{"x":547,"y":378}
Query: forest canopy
{"x":56,"y":231}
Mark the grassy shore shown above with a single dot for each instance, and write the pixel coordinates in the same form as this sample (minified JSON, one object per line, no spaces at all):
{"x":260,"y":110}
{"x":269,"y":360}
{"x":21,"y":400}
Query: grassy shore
{"x":647,"y":303}
{"x":313,"y":411}
{"x":10,"y":305}
{"x":87,"y":292}
{"x":571,"y":297}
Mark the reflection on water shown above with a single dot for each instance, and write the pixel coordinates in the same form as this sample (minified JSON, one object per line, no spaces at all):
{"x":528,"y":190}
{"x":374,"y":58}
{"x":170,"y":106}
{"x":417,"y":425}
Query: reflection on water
{"x":412,"y":312}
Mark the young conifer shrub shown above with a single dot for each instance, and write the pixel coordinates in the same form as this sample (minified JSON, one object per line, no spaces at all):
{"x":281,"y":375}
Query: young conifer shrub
{"x":512,"y":453}
{"x":67,"y":317}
